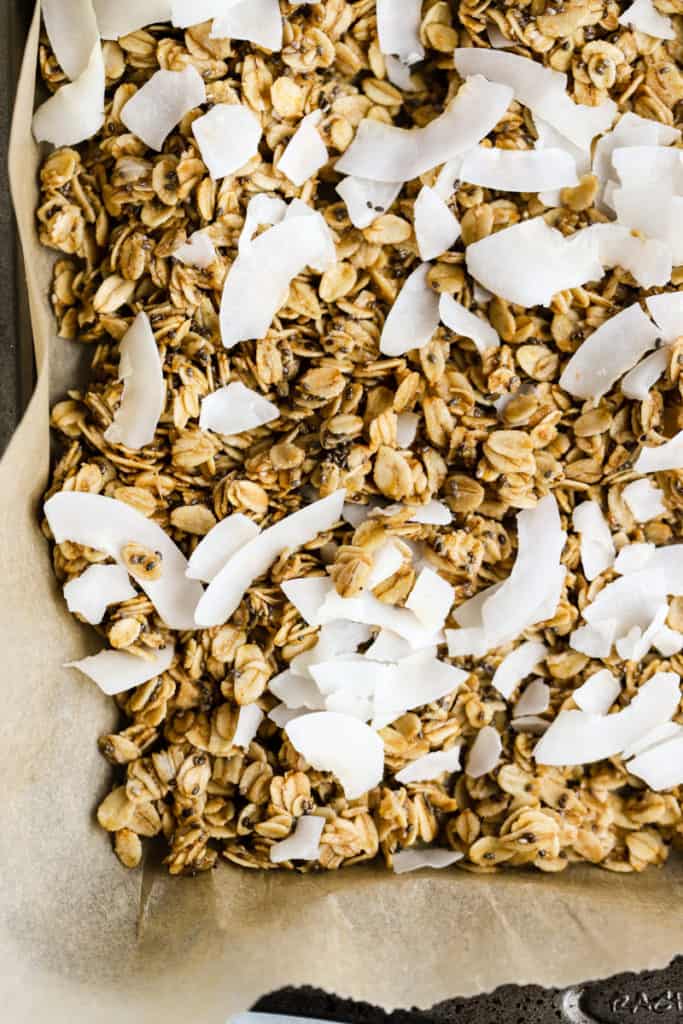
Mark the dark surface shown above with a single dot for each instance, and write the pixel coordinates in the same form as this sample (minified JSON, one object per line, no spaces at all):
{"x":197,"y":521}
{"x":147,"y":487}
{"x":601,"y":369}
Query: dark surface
{"x":648,"y":997}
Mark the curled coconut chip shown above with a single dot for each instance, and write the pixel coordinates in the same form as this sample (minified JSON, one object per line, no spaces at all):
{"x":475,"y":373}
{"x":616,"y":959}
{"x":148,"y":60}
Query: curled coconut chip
{"x":595,"y":641}
{"x":660,"y":734}
{"x":517,"y":170}
{"x":637,"y":642}
{"x":91,"y":593}
{"x":198,"y":251}
{"x":609,"y":352}
{"x":297,"y":691}
{"x":484,"y":753}
{"x":431,"y":766}
{"x":647,"y":259}
{"x":367,"y":200}
{"x":281,"y":715}
{"x":186,"y":13}
{"x":414,"y":316}
{"x":248,"y":721}
{"x":155,"y":109}
{"x":228,"y":137}
{"x":76,"y":111}
{"x":660,"y":767}
{"x":235,"y":409}
{"x":399,"y":74}
{"x":336,"y":637}
{"x":630,"y":130}
{"x":116,"y":18}
{"x":71,"y":27}
{"x":387,"y":560}
{"x":436,"y":228}
{"x":303,"y":844}
{"x":305,"y":153}
{"x":534,"y":701}
{"x":577,"y":737}
{"x":597,"y":695}
{"x":643,"y":16}
{"x":644,"y":500}
{"x":108,"y":525}
{"x":597,"y":546}
{"x":144,"y":392}
{"x":117,"y":671}
{"x":418,"y":680}
{"x":638,"y":381}
{"x":653,"y":213}
{"x":517,"y":665}
{"x":661,"y":458}
{"x":383,"y":152}
{"x":667,"y":312}
{"x":336,"y":743}
{"x":633,"y":557}
{"x":431,"y":857}
{"x":220,"y":544}
{"x":398,"y":29}
{"x":406,"y":428}
{"x":226,"y":590}
{"x":431,"y":599}
{"x":262,"y":210}
{"x":462,"y":321}
{"x":257,"y":21}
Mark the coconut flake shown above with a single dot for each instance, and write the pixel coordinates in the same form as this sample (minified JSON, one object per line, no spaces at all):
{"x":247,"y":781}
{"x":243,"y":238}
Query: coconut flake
{"x":637,"y":642}
{"x":597,"y":695}
{"x":296,"y":691}
{"x":281,"y":715}
{"x":485,"y":753}
{"x":577,"y":737}
{"x":414,"y":316}
{"x":220,"y":544}
{"x":667,"y":641}
{"x":638,"y":381}
{"x":117,"y":671}
{"x":367,"y":200}
{"x":661,"y":767}
{"x":467,"y":324}
{"x":257,"y":21}
{"x":336,"y":743}
{"x":661,"y":458}
{"x":383,"y":152}
{"x":653,"y":213}
{"x":660,"y":734}
{"x":432,"y":857}
{"x":226,"y":590}
{"x":667,"y":312}
{"x":594,"y":641}
{"x":72,"y":30}
{"x":434,"y":513}
{"x":630,"y":130}
{"x":116,"y":18}
{"x":305,"y":153}
{"x":91,"y":593}
{"x":414,"y":682}
{"x":262,"y":209}
{"x":448,"y":177}
{"x":431,"y":599}
{"x":608,"y":353}
{"x":648,"y":260}
{"x":597,"y":546}
{"x":186,"y":13}
{"x":76,"y":111}
{"x":644,"y":500}
{"x":258,"y":282}
{"x":517,"y":665}
{"x":228,"y":137}
{"x":161,"y":103}
{"x":399,"y":74}
{"x":303,"y":844}
{"x":388,"y":646}
{"x":431,"y":766}
{"x":406,"y":428}
{"x":386,"y":560}
{"x":518,"y":170}
{"x":144,"y":391}
{"x":235,"y":409}
{"x":530,"y":261}
{"x":436,"y":228}
{"x":248,"y":721}
{"x":633,"y":558}
{"x":336,"y":637}
{"x":649,"y":165}
{"x":643,"y":16}
{"x":352,"y":672}
{"x":534,"y":701}
{"x":531,"y":724}
{"x":496,"y":38}
{"x":398,"y":29}
{"x":108,"y":525}
{"x":198,"y":251}
{"x":368,"y":610}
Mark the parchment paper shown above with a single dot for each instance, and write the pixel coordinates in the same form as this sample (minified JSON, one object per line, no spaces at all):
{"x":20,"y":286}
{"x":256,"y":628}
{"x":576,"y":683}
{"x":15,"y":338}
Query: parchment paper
{"x":81,"y":939}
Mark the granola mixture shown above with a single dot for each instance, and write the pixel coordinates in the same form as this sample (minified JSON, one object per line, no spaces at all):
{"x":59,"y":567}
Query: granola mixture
{"x":115,"y":211}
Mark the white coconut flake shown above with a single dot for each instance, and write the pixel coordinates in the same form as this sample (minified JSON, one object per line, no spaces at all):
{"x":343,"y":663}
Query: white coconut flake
{"x":414,"y":316}
{"x":462,"y":321}
{"x":161,"y":103}
{"x":577,"y":737}
{"x":303,"y":844}
{"x":258,"y":281}
{"x":448,"y":177}
{"x":388,"y":646}
{"x":220,"y":544}
{"x":116,"y":18}
{"x":248,"y":721}
{"x":534,"y":701}
{"x":597,"y":695}
{"x":436,"y":228}
{"x":517,"y":665}
{"x":633,"y":557}
{"x":228,"y":137}
{"x":661,"y":458}
{"x":637,"y":642}
{"x":431,"y":599}
{"x":485,"y":753}
{"x":415,"y":859}
{"x":667,"y":641}
{"x":653,"y":213}
{"x":281,"y":715}
{"x":518,"y":170}
{"x":649,"y":165}
{"x":336,"y":743}
{"x":305,"y":153}
{"x":406,"y":428}
{"x":647,"y":259}
{"x":530,"y":261}
{"x":226,"y":590}
{"x":350,"y":672}
{"x":667,"y":312}
{"x":185,"y":13}
{"x":296,"y":691}
{"x":257,"y":21}
{"x":597,"y":546}
{"x":72,"y":30}
{"x":496,"y":38}
{"x":531,"y":724}
{"x":386,"y":560}
{"x":335,"y":638}
{"x":644,"y":500}
{"x":234,"y":409}
{"x":144,"y":392}
{"x":383,"y":152}
{"x":431,"y":766}
{"x":630,"y":130}
{"x":434,"y":513}
{"x":368,"y":610}
{"x":661,"y":767}
{"x":198,"y":251}
{"x":609,"y":352}
{"x":91,"y":593}
{"x":398,"y":29}
{"x":660,"y":734}
{"x":638,"y":382}
{"x":643,"y":16}
{"x":76,"y":111}
{"x":262,"y":209}
{"x":416,"y":681}
{"x":594,"y":641}
{"x":117,"y":671}
{"x":108,"y":525}
{"x":367,"y":200}
{"x":399,"y":74}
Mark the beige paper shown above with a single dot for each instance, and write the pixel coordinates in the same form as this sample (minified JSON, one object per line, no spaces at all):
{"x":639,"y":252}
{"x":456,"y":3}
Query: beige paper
{"x":81,"y":939}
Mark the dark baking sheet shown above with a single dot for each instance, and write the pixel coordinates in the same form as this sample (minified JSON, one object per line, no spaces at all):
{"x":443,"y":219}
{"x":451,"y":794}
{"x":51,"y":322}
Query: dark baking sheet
{"x":647,"y":997}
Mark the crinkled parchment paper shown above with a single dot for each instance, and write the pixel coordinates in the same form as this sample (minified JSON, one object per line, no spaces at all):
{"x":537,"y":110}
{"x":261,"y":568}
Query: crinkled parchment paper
{"x":84,"y":940}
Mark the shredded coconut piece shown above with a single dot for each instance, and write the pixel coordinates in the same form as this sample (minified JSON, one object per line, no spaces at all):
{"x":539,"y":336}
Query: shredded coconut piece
{"x":633,"y":558}
{"x":336,"y":637}
{"x":220,"y":544}
{"x":436,"y":228}
{"x":644,"y":500}
{"x":91,"y":593}
{"x":257,"y":21}
{"x":644,"y":17}
{"x":660,"y":734}
{"x":234,"y":409}
{"x":414,"y":316}
{"x":72,"y":30}
{"x":406,"y":428}
{"x":186,"y":13}
{"x":76,"y":111}
{"x":337,"y":743}
{"x":198,"y":251}
{"x":431,"y":857}
{"x":144,"y":391}
{"x":661,"y":458}
{"x":518,"y":170}
{"x":597,"y":546}
{"x":484,"y":753}
{"x":262,"y":209}
{"x":248,"y":721}
{"x":595,"y":641}
{"x":418,"y":680}
{"x":517,"y":665}
{"x":431,"y":599}
{"x":430,"y":766}
{"x":116,"y":18}
{"x":597,"y":695}
{"x":160,"y":104}
{"x":228,"y":137}
{"x":660,"y":767}
{"x":399,"y":74}
{"x":303,"y":844}
{"x":534,"y":701}
{"x":367,"y":200}
{"x":667,"y":312}
{"x":638,"y":381}
{"x":306,"y":152}
{"x":398,"y":28}
{"x":467,"y":324}
{"x":387,"y":560}
{"x":117,"y":671}
{"x":648,"y":260}
{"x":637,"y":642}
{"x":667,"y":641}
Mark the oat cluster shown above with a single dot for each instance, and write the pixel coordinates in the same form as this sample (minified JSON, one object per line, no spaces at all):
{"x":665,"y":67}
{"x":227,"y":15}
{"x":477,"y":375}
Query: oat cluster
{"x":115,"y":211}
